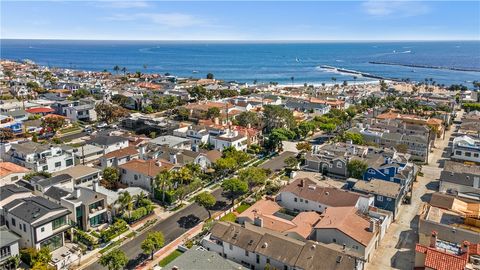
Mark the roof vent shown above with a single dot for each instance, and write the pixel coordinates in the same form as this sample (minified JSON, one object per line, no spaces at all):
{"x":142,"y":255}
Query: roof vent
{"x":327,"y":193}
{"x":312,"y":187}
{"x":265,"y":245}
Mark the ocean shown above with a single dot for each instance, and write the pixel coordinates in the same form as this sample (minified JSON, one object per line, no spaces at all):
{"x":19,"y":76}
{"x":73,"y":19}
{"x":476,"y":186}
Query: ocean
{"x":261,"y":61}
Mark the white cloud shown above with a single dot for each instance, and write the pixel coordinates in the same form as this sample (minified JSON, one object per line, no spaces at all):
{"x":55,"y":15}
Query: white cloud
{"x":397,"y":8}
{"x":173,"y":19}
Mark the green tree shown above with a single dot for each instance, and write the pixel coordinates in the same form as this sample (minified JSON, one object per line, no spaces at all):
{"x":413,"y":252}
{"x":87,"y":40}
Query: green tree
{"x":109,"y":113}
{"x":112,"y":176}
{"x":13,"y":262}
{"x":120,"y":99}
{"x":291,"y":162}
{"x":210,"y":76}
{"x":81,"y":93}
{"x":305,"y":128}
{"x":153,"y":242}
{"x":225,"y":165}
{"x":254,"y":176}
{"x":213,"y":112}
{"x":245,"y":119}
{"x":304,"y":146}
{"x":199,"y":93}
{"x":207,"y":201}
{"x":124,"y":70}
{"x":53,"y":123}
{"x":277,"y":117}
{"x":126,"y":201}
{"x":235,"y":188}
{"x":356,"y":168}
{"x":163,"y":180}
{"x":356,"y":138}
{"x":114,"y":260}
{"x":6,"y":134}
{"x":182,"y":113}
{"x":116,"y":69}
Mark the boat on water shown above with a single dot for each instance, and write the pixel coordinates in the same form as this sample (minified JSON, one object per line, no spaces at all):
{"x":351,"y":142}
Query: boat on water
{"x":194,"y":71}
{"x":297,"y":60}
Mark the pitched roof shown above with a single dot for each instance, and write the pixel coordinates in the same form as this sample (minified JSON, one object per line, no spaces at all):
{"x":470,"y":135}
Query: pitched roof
{"x":320,"y":256}
{"x":35,"y":208}
{"x":78,"y":171}
{"x":128,"y":151}
{"x":348,"y":221}
{"x":146,"y":167}
{"x":7,"y":168}
{"x":380,"y":187}
{"x":331,"y":196}
{"x":200,"y":258}
{"x":107,"y":140}
{"x":440,"y":260}
{"x":7,"y":237}
{"x":40,"y":110}
{"x":9,"y":190}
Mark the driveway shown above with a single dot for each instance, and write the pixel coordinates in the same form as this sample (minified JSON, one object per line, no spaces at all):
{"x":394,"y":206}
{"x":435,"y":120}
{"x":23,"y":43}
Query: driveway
{"x":397,"y":248}
{"x":278,"y":163}
{"x":172,"y":227}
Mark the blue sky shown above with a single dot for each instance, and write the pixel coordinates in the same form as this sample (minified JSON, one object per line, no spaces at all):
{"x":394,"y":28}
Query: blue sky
{"x":241,"y":20}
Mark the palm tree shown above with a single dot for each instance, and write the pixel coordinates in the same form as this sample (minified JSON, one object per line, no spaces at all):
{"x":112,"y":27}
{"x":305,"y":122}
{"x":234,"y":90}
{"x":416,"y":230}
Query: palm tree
{"x":162,"y":180}
{"x":139,"y":197}
{"x":145,"y":67}
{"x":292,"y":79}
{"x":124,"y":70}
{"x":126,"y":202}
{"x":116,"y":69}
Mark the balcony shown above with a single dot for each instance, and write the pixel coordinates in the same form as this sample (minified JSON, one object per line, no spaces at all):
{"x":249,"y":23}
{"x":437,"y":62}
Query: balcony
{"x":4,"y":256}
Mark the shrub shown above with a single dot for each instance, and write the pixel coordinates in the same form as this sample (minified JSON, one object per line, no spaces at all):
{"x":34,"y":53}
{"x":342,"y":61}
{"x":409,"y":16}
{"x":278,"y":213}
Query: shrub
{"x":120,"y":226}
{"x":85,"y":238}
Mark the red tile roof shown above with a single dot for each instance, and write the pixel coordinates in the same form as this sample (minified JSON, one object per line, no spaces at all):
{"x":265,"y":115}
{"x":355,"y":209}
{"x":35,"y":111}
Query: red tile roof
{"x":7,"y":168}
{"x":439,"y":260}
{"x":40,"y":110}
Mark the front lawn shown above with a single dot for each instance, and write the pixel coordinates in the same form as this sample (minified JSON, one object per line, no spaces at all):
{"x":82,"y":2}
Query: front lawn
{"x":229,"y":217}
{"x":169,"y":258}
{"x":240,"y":209}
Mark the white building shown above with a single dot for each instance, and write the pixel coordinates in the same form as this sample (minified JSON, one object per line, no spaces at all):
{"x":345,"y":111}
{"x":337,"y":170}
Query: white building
{"x":84,"y":113}
{"x":466,"y":148}
{"x":230,"y":139}
{"x":109,"y":143}
{"x":40,"y":157}
{"x":10,"y":173}
{"x":8,"y":247}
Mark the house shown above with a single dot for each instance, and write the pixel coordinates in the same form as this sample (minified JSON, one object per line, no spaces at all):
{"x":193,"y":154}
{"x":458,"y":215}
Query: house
{"x":87,"y":153}
{"x":457,"y":178}
{"x":307,"y":106}
{"x":8,"y":247}
{"x":181,"y":157}
{"x":453,"y":218}
{"x":9,"y":193}
{"x":119,"y":157}
{"x":40,"y":111}
{"x":11,"y":172}
{"x":388,"y":195}
{"x":266,"y":214}
{"x":172,"y":142}
{"x":466,"y":148}
{"x":349,"y":227}
{"x":232,"y":138}
{"x":304,"y":194}
{"x":109,"y":143}
{"x":40,"y":157}
{"x":84,"y":113}
{"x":141,"y":173}
{"x":258,"y":248}
{"x":88,"y":208}
{"x":38,"y":221}
{"x":81,"y":174}
{"x":443,"y":255}
{"x":200,"y":258}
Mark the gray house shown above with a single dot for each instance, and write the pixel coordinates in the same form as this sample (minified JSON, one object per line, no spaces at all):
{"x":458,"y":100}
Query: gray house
{"x":458,"y":177}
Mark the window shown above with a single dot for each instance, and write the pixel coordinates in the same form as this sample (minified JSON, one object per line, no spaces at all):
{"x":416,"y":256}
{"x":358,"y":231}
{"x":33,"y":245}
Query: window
{"x":371,"y":171}
{"x":301,"y":200}
{"x":69,"y":162}
{"x":59,"y":222}
{"x":15,"y":178}
{"x":389,"y":199}
{"x":42,"y":229}
{"x":339,"y":164}
{"x":380,"y":198}
{"x":258,"y":259}
{"x":24,"y":228}
{"x":14,"y":222}
{"x":58,"y":164}
{"x":334,"y":240}
{"x":306,"y":201}
{"x":45,"y":168}
{"x":246,"y":253}
{"x":285,"y":267}
{"x":268,"y":260}
{"x":458,"y":153}
{"x":135,"y":177}
{"x":230,"y":246}
{"x":468,"y":154}
{"x":475,"y":154}
{"x":295,"y":199}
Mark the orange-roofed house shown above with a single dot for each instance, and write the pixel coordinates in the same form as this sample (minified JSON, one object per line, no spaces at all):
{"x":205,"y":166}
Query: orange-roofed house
{"x":442,"y":255}
{"x":11,"y":172}
{"x":347,"y":226}
{"x":41,"y":111}
{"x":141,"y":173}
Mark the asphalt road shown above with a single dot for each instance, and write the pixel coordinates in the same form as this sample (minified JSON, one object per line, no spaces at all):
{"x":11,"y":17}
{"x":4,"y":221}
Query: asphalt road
{"x":172,"y":228}
{"x":278,"y":163}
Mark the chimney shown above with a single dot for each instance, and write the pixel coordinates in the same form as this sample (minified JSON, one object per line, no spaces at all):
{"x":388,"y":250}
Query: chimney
{"x":158,"y":163}
{"x":76,"y":192}
{"x":216,"y":121}
{"x":302,"y":182}
{"x":373,"y":225}
{"x":95,"y":185}
{"x":258,"y":221}
{"x":173,"y":158}
{"x":249,"y":125}
{"x":141,"y":151}
{"x":344,"y":246}
{"x":433,"y":239}
{"x":465,"y":246}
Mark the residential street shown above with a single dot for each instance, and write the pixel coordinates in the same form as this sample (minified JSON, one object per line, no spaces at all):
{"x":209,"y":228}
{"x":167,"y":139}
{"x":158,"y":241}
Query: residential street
{"x":397,"y":249}
{"x":172,"y":227}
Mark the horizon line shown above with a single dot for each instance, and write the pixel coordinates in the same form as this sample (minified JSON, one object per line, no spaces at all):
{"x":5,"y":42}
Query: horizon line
{"x":247,"y":40}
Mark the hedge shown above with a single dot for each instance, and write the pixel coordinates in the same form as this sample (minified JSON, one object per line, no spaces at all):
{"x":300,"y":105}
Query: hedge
{"x":85,"y":238}
{"x":120,"y":226}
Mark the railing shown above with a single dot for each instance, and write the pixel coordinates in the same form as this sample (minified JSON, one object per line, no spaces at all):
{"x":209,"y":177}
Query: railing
{"x":5,"y":255}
